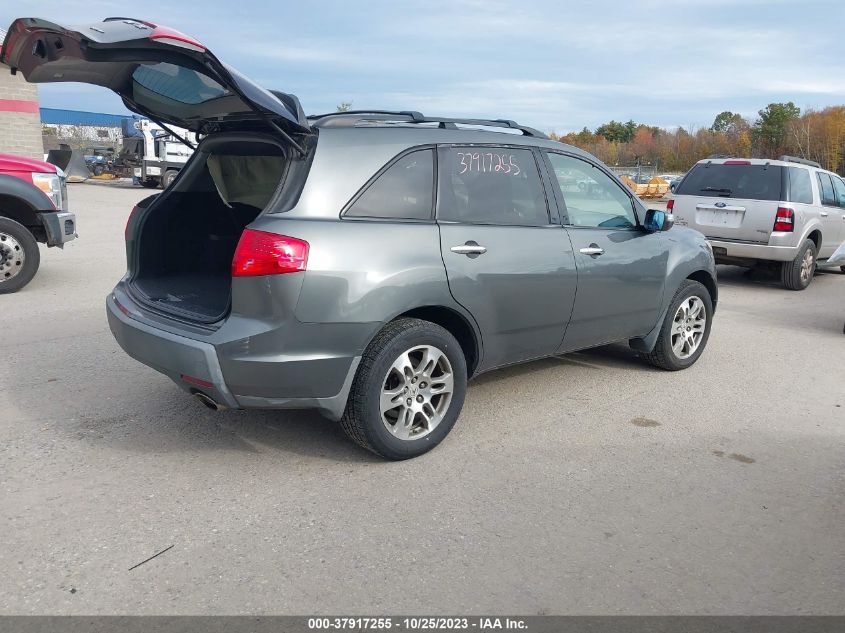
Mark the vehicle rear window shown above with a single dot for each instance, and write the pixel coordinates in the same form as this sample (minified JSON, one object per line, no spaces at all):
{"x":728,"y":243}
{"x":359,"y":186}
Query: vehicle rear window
{"x":754,"y":182}
{"x":178,"y":83}
{"x":826,"y":189}
{"x":800,"y":189}
{"x":404,"y":191}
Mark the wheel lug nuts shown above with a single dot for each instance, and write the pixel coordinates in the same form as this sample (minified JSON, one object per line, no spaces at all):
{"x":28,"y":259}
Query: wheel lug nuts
{"x":423,"y":385}
{"x":408,"y":402}
{"x":419,"y":398}
{"x":414,"y":379}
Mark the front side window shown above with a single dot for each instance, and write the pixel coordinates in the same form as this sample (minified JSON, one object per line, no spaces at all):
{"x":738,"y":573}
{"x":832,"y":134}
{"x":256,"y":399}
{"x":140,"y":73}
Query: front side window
{"x":826,"y":189}
{"x":839,"y":189}
{"x":592,"y":198}
{"x":491,"y":185}
{"x":403,"y":191}
{"x":800,"y":189}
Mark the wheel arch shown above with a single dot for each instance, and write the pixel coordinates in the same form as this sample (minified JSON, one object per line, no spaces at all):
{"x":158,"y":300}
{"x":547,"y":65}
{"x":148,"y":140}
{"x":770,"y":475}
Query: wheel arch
{"x":815,"y":236}
{"x":22,"y":212}
{"x":708,"y":281}
{"x":456,"y":324}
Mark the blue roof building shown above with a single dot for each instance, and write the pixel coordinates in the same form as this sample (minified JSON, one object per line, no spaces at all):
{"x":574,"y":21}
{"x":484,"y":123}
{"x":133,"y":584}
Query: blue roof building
{"x":55,"y":116}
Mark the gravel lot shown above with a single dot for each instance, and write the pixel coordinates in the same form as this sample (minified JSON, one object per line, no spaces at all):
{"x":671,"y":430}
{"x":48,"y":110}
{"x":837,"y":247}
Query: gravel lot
{"x":587,"y":484}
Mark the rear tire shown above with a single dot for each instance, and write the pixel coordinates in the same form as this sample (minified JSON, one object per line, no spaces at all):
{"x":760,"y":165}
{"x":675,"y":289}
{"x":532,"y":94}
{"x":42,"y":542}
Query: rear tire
{"x":19,"y":256}
{"x":798,"y":274}
{"x":408,"y":391}
{"x":683,"y":336}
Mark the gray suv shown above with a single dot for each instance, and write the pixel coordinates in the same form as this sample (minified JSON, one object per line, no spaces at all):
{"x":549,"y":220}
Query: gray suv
{"x":367,"y":264}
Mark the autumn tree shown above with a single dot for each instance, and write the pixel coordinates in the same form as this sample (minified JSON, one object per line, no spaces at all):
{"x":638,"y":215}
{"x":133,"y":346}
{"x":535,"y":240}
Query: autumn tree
{"x":769,"y":131}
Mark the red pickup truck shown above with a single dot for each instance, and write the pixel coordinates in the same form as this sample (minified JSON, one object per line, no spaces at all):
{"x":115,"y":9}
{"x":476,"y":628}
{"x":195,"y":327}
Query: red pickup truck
{"x":33,"y":208}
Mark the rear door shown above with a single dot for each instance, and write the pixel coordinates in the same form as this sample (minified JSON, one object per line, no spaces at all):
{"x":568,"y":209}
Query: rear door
{"x":839,"y":190}
{"x":732,"y":200}
{"x":830,"y":215}
{"x":507,"y":263}
{"x":621,"y":268}
{"x":159,"y":72}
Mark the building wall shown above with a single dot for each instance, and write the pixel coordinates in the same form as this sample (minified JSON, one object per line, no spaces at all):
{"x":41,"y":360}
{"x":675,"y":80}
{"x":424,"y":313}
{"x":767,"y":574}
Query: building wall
{"x":20,"y":121}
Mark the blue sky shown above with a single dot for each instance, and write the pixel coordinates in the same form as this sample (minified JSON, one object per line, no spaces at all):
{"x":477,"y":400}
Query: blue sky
{"x":558,"y":66}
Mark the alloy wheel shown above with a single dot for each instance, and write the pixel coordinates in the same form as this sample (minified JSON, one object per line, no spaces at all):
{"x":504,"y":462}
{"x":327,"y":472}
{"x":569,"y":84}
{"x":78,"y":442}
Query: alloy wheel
{"x":807,"y":265}
{"x":416,"y":392}
{"x":688,"y":327}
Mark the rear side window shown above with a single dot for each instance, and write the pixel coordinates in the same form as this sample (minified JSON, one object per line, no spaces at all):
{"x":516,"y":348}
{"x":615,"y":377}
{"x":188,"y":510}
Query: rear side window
{"x":754,"y":182}
{"x":800,"y":189}
{"x":491,"y":185}
{"x":404,"y":191}
{"x":826,"y":189}
{"x":839,"y":189}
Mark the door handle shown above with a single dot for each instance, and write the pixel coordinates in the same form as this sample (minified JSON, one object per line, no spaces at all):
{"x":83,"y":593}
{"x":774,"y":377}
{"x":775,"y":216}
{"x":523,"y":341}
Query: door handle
{"x":593,"y":250}
{"x":470,"y":249}
{"x":823,"y":214}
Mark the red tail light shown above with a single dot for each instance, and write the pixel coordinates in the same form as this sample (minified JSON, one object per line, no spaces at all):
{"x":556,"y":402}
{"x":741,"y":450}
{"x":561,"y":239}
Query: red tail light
{"x":128,"y":220}
{"x":262,"y":253}
{"x":670,"y":205}
{"x":737,"y":162}
{"x":784,"y":220}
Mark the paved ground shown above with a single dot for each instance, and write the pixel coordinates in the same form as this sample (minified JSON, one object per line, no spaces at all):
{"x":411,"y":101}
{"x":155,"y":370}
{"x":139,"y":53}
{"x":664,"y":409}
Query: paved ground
{"x":585,"y":484}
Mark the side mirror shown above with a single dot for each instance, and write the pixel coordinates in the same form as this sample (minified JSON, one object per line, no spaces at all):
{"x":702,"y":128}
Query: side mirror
{"x":657,"y":220}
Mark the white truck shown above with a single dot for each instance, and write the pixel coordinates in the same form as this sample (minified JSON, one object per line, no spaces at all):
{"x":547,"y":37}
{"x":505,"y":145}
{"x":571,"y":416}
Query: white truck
{"x":155,"y":157}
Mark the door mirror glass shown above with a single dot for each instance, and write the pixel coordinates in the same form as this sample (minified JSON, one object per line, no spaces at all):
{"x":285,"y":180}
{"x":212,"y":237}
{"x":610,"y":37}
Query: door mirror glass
{"x":657,"y":220}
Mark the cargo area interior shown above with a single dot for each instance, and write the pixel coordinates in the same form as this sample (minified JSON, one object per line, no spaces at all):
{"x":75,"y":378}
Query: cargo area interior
{"x":189,"y":235}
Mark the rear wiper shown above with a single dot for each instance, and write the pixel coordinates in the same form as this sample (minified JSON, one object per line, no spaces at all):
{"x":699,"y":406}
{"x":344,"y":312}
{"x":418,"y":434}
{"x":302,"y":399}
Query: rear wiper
{"x":717,"y":190}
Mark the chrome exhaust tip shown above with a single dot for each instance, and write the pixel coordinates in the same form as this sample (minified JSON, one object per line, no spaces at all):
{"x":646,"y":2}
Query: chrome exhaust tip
{"x":208,"y":401}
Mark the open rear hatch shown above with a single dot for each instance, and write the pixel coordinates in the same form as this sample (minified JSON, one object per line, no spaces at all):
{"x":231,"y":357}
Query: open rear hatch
{"x":180,"y":247}
{"x":159,"y":72}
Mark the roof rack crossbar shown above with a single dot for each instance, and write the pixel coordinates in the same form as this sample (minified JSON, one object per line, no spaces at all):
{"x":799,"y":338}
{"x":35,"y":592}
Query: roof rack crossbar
{"x":351,"y":118}
{"x":801,"y":161}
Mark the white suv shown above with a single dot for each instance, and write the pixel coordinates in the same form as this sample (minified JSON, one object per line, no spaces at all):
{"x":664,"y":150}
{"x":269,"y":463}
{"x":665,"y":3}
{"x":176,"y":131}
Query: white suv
{"x":751,"y":210}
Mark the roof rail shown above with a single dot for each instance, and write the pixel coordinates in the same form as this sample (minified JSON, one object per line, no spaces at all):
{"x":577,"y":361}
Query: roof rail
{"x":353,"y":117}
{"x":802,"y":161}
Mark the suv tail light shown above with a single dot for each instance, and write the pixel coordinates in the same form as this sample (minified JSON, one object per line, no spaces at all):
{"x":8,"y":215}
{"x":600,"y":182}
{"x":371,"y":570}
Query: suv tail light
{"x":670,"y":205}
{"x":784,"y":219}
{"x":262,"y":253}
{"x":128,"y":221}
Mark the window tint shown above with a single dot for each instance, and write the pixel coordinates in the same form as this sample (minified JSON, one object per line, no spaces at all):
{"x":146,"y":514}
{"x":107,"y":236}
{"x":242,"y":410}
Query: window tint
{"x":754,"y":182}
{"x":404,"y":191}
{"x":592,"y":197}
{"x":491,"y":185}
{"x":800,"y":189}
{"x":839,"y":188}
{"x":178,"y":83}
{"x":826,"y":189}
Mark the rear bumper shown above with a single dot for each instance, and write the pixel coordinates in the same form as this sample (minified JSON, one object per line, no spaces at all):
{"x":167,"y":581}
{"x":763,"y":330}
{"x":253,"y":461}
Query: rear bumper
{"x":195,"y":366}
{"x":60,"y":227}
{"x":751,"y":250}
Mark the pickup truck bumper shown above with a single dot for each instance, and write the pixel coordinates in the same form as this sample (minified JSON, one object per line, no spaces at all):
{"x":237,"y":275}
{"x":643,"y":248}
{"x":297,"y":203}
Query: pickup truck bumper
{"x":726,"y":250}
{"x":59,"y":226}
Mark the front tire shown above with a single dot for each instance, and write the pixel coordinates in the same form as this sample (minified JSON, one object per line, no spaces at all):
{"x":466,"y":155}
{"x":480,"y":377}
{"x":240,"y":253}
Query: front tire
{"x":685,"y":330}
{"x":408,"y":391}
{"x":797,"y":274}
{"x":19,"y":256}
